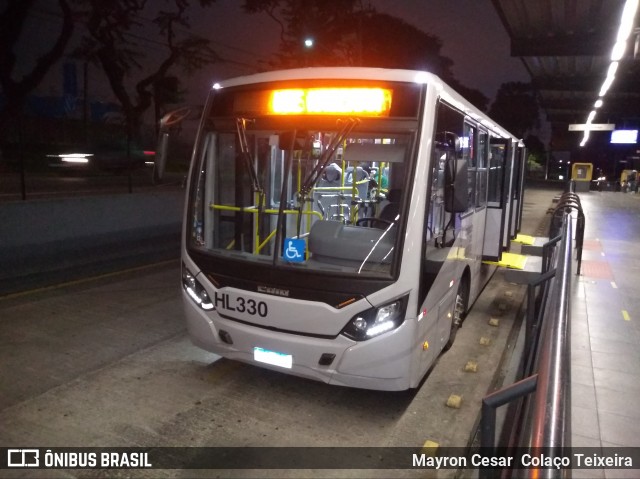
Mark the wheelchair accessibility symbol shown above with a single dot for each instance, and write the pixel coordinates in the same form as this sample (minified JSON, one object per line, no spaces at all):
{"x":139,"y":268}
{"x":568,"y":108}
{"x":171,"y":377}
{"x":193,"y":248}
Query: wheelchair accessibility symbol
{"x":294,"y":250}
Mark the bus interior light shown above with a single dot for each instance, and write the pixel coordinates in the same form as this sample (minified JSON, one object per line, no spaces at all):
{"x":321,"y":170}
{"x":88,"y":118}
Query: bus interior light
{"x":331,"y":101}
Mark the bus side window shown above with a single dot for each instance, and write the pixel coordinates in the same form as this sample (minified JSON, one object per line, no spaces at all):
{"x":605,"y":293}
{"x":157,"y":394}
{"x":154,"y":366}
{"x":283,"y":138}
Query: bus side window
{"x":469,"y":154}
{"x":449,"y":186}
{"x":456,"y":181}
{"x":483,"y":153}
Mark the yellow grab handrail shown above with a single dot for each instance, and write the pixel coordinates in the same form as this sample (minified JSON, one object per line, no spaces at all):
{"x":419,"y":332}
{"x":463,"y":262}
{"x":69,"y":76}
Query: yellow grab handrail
{"x":255,"y":210}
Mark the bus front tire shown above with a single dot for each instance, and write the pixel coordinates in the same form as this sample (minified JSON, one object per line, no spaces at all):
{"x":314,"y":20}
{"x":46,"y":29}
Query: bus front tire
{"x":459,"y":312}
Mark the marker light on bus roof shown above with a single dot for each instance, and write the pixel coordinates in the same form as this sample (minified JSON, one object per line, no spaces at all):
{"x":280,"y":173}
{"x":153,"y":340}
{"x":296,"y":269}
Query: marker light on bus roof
{"x":331,"y":101}
{"x":421,"y":77}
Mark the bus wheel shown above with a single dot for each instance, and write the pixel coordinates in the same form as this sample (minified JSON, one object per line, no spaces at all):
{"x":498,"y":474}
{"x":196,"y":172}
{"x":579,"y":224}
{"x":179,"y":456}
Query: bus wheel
{"x":459,"y":312}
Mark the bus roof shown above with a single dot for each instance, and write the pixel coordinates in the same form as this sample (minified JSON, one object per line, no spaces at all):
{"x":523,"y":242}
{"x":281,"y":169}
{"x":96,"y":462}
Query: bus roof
{"x":366,"y":73}
{"x":346,"y":73}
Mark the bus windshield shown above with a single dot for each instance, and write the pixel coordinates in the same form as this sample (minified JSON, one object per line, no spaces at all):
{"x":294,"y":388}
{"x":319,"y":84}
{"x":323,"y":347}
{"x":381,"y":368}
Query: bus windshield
{"x":312,"y":193}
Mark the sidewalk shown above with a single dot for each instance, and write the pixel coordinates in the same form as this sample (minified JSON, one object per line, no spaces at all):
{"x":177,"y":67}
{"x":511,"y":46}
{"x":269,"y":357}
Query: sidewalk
{"x":605,"y":334}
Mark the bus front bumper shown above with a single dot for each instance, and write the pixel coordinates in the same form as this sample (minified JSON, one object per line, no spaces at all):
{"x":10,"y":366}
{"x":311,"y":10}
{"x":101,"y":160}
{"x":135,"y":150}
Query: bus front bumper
{"x":381,"y":363}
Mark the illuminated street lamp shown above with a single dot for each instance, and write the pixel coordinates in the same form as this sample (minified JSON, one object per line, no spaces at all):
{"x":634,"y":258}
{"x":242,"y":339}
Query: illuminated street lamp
{"x":311,"y":45}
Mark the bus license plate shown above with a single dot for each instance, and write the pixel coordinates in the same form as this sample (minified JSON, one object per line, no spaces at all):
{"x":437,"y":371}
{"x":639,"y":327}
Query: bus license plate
{"x":273,"y":357}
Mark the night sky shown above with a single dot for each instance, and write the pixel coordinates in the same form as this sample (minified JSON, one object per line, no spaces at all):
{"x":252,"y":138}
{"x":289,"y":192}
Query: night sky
{"x":472,"y":34}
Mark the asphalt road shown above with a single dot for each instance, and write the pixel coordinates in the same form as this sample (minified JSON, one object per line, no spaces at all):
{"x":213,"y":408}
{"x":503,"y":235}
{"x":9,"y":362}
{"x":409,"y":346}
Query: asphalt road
{"x":38,"y":186}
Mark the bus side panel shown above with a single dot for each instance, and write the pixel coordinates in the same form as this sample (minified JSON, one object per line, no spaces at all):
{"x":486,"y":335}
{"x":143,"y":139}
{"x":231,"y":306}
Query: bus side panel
{"x":519,"y":193}
{"x":508,"y":195}
{"x":386,"y":356}
{"x":475,"y":253}
{"x":434,"y":328}
{"x":493,"y":234}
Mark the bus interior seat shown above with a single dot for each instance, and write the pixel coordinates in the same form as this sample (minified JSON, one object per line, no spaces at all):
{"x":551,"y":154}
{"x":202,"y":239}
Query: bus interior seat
{"x":337,"y":243}
{"x":390,"y":210}
{"x":362,"y":187}
{"x":388,"y":214}
{"x":332,"y":173}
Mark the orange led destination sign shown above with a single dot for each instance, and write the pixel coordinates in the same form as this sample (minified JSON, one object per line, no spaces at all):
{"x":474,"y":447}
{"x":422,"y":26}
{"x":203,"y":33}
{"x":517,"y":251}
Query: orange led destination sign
{"x":331,"y":101}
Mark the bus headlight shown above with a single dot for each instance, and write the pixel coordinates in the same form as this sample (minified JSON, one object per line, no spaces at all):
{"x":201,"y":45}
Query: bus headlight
{"x":376,"y":321}
{"x":195,"y":290}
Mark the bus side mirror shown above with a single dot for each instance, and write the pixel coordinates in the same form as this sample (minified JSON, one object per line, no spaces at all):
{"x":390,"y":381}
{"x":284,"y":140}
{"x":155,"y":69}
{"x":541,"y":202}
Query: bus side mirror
{"x":456,"y":195}
{"x":167,"y":122}
{"x":160,"y":160}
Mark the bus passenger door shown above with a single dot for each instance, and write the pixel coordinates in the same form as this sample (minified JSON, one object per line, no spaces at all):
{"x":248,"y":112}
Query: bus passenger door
{"x":517,"y":191}
{"x":500,"y":181}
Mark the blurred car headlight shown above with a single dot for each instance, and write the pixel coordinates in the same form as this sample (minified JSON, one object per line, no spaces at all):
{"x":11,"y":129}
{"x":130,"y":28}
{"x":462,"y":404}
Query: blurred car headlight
{"x":73,"y":157}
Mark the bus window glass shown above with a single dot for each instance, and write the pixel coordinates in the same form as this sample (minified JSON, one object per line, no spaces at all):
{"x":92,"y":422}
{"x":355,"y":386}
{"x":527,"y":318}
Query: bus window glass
{"x":483,"y":150}
{"x":323,"y":198}
{"x":497,"y":158}
{"x":469,"y":155}
{"x":449,"y":145}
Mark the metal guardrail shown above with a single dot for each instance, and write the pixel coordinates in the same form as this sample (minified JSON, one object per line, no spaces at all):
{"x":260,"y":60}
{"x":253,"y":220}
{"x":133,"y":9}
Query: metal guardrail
{"x":568,"y":203}
{"x":541,"y":419}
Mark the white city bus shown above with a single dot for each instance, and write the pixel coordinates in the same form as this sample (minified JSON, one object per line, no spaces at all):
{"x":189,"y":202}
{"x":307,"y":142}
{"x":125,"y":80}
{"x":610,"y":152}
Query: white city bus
{"x":337,"y":220}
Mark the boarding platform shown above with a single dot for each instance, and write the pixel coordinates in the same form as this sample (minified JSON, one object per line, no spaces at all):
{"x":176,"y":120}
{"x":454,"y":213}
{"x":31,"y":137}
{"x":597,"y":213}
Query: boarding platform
{"x":528,"y":254}
{"x":523,"y":262}
{"x":600,"y":364}
{"x":519,"y":267}
{"x":605,"y":332}
{"x":531,"y":245}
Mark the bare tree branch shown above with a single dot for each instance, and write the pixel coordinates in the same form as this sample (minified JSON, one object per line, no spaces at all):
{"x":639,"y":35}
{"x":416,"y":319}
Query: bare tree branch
{"x":12,"y":22}
{"x":111,"y":43}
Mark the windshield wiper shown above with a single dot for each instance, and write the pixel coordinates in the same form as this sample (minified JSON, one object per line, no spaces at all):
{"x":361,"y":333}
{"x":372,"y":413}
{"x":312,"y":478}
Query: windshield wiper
{"x":323,"y":162}
{"x":241,"y":127}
